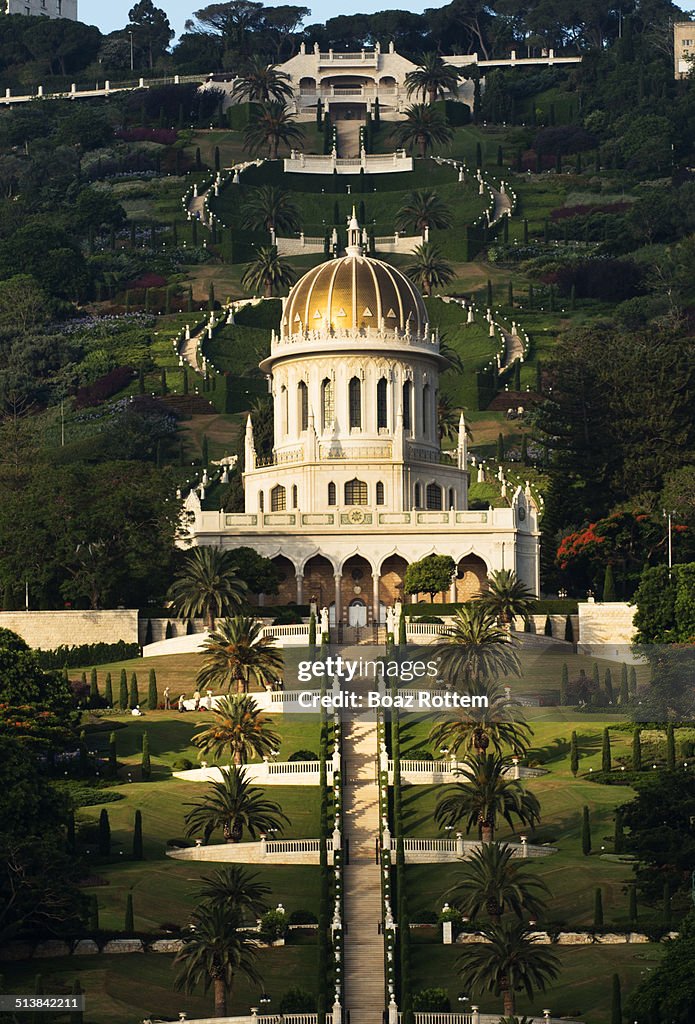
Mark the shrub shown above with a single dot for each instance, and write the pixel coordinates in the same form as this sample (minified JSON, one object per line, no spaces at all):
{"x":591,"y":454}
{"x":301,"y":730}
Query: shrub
{"x":302,"y":917}
{"x":182,"y":765}
{"x":303,"y":755}
{"x":297,"y":1000}
{"x":95,"y":654}
{"x":104,"y":387}
{"x":273,"y":926}
{"x":431,"y":1000}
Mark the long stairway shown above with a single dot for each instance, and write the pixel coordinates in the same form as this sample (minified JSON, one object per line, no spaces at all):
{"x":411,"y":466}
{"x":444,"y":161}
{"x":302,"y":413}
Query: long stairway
{"x":364,"y":944}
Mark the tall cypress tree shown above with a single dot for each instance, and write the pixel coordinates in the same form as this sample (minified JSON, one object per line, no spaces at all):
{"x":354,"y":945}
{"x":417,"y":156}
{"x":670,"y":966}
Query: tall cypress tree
{"x":598,"y":909}
{"x":596,"y":676}
{"x":624,"y":691}
{"x":93,"y":684}
{"x":113,"y":754}
{"x":146,"y":769}
{"x":606,"y":751}
{"x":129,"y":923}
{"x":574,"y":754}
{"x":123,"y":691}
{"x":152,"y":695}
{"x":616,"y":1002}
{"x":137,"y":836}
{"x":609,"y":584}
{"x":500,"y":448}
{"x":104,"y":833}
{"x":608,"y":685}
{"x":134,"y":695}
{"x":586,"y":832}
{"x":633,"y":682}
{"x":108,"y":691}
{"x":636,"y":750}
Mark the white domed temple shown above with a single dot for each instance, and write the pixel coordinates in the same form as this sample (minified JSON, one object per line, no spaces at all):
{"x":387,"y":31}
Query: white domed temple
{"x":358,"y":487}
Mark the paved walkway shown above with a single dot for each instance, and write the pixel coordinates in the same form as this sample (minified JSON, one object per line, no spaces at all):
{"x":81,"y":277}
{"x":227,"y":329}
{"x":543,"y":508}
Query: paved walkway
{"x":188,"y":350}
{"x":513,"y":347}
{"x":364,"y":945}
{"x":502,"y":205}
{"x":348,"y":139}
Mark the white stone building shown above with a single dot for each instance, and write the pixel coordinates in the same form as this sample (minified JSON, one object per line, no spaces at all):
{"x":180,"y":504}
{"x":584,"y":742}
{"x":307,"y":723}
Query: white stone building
{"x":683,"y":48}
{"x":46,"y":8}
{"x":358,"y":486}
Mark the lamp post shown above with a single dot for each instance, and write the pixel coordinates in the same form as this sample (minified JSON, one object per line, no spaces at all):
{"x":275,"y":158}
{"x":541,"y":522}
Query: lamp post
{"x":668,"y":516}
{"x":132,"y":52}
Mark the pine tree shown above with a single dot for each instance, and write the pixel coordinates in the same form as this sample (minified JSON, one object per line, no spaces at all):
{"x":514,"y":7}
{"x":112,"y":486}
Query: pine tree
{"x":146,"y":769}
{"x":113,"y":755}
{"x":586,"y":832}
{"x":134,"y":695}
{"x":152,"y":696}
{"x":83,"y":681}
{"x":516,"y":376}
{"x":108,"y":691}
{"x":598,"y":909}
{"x":500,"y":448}
{"x":633,"y":683}
{"x":616,"y":1002}
{"x":489,"y":293}
{"x":564,"y":683}
{"x":606,"y":762}
{"x":608,"y":685}
{"x":574,"y":754}
{"x":478,"y":155}
{"x":218,"y":162}
{"x":670,"y":747}
{"x":104,"y":833}
{"x":137,"y":836}
{"x":569,"y":631}
{"x":624,"y":693}
{"x":619,"y":835}
{"x":129,"y":923}
{"x":596,"y":675}
{"x":93,"y":685}
{"x":632,"y":905}
{"x":123,"y":693}
{"x":609,"y":584}
{"x":211,"y":297}
{"x":636,"y":751}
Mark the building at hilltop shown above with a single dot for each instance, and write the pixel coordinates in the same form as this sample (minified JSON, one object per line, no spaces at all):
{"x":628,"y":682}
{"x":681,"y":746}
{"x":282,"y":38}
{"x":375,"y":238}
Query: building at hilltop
{"x":358,"y":486}
{"x":683,"y":48}
{"x":45,"y":8}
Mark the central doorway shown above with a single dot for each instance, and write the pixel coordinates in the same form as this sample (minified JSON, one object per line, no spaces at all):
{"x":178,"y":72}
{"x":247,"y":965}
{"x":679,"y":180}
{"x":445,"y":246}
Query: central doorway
{"x":357,"y":613}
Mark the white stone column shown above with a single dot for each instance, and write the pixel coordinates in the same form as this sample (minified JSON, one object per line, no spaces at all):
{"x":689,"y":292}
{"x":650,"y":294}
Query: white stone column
{"x":338,"y":577}
{"x":300,"y":587}
{"x":375,"y":597}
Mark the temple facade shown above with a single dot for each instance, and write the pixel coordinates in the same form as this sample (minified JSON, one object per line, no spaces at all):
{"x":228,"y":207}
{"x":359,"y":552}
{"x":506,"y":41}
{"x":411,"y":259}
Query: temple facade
{"x":46,"y":8}
{"x":358,"y":486}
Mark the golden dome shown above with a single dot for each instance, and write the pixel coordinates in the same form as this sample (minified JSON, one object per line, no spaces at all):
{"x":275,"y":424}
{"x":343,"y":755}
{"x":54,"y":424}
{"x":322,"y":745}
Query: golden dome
{"x":354,"y":293}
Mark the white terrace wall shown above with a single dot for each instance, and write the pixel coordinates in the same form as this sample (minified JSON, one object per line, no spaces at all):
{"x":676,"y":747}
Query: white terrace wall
{"x":49,"y":630}
{"x":609,"y":623}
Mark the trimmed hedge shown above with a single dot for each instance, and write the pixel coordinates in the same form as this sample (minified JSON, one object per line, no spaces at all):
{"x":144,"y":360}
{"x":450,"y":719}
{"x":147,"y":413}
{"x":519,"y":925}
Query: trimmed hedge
{"x":88,"y":654}
{"x":547,"y":606}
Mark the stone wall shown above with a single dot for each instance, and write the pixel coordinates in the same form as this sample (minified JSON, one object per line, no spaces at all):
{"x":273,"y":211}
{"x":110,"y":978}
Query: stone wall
{"x":606,"y":625}
{"x":49,"y":630}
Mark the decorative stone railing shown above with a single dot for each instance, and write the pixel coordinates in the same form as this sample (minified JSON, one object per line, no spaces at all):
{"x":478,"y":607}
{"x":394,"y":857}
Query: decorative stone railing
{"x":376,"y":163}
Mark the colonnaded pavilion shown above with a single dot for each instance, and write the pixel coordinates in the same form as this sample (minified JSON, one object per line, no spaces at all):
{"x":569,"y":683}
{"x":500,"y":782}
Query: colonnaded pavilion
{"x":358,"y":486}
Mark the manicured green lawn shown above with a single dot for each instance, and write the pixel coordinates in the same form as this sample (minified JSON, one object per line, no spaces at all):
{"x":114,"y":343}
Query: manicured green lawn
{"x":128,"y":988}
{"x":581,"y":991}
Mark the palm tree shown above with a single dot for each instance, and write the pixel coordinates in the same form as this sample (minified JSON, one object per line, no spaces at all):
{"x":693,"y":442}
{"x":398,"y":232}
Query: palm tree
{"x":233,"y":804}
{"x":454,"y":363}
{"x":506,"y":597}
{"x":491,"y":880}
{"x":507,"y":962}
{"x":430,"y":269}
{"x":207,"y":586}
{"x":268,"y":272}
{"x":239,"y":727}
{"x":473,"y":729}
{"x":214,"y":952}
{"x":422,"y":209}
{"x":233,"y":886}
{"x":423,"y":127}
{"x":260,"y":82}
{"x":432,"y":78}
{"x":237,"y":653}
{"x":475,"y":649}
{"x":270,"y":208}
{"x":447,"y":415}
{"x":486,"y":794}
{"x":269,"y":125}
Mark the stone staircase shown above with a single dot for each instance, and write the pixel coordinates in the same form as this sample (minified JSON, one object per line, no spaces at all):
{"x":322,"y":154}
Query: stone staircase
{"x":364,"y":944}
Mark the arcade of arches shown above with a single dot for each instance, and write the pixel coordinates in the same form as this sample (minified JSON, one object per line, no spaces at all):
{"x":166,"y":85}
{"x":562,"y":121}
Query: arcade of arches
{"x":358,"y":593}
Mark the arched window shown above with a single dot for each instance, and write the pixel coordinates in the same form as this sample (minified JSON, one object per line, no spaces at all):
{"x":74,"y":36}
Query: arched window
{"x":382,"y":408}
{"x":434,"y":497}
{"x":380,"y":500}
{"x":261,"y":501}
{"x":283,"y":409}
{"x":278,"y":501}
{"x":417,"y":495}
{"x":356,"y":492}
{"x":407,"y":405}
{"x":327,"y":404}
{"x":303,"y":395}
{"x":426,"y":410}
{"x":332,"y":496}
{"x":295,"y":496}
{"x":452,"y":498}
{"x":355,"y":402}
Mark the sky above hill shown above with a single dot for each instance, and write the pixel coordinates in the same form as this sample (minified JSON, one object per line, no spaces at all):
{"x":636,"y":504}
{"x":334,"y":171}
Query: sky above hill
{"x":113,"y":15}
